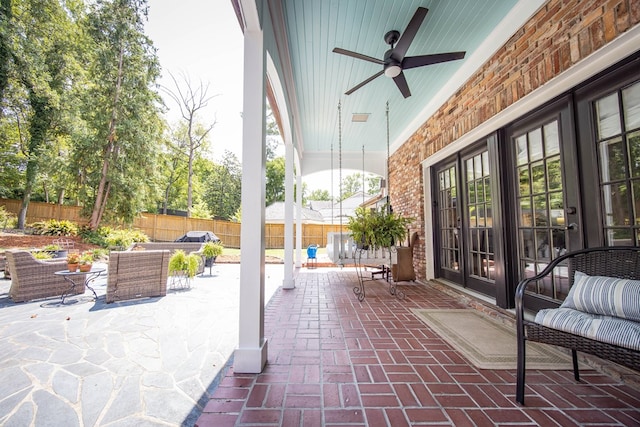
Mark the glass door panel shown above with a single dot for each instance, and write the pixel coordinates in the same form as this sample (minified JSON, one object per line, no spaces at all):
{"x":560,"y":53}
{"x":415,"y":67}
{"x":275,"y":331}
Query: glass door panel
{"x":448,"y":221}
{"x":618,"y":139}
{"x":542,"y":232}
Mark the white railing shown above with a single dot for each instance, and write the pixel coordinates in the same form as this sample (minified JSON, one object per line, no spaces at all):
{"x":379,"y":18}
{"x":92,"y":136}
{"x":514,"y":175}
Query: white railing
{"x":341,"y":249}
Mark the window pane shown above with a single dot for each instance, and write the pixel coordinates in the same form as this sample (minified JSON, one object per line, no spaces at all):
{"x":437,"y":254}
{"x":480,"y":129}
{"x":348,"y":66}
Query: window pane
{"x":487,"y":189}
{"x":485,"y":163}
{"x":540,"y":205}
{"x":633,"y":141}
{"x":535,"y":144}
{"x":523,"y":155}
{"x":524,"y":180}
{"x":472,"y":192}
{"x":619,"y":237}
{"x":526,"y":217}
{"x":554,"y":173}
{"x":551,"y":140}
{"x":616,"y":208}
{"x":631,"y":105}
{"x":469,"y":168}
{"x":612,"y":162}
{"x":608,"y":116}
{"x":538,"y":178}
{"x":636,"y":201}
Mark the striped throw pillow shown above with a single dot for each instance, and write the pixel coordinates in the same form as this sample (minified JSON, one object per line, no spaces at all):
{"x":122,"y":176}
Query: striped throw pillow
{"x":607,"y":296}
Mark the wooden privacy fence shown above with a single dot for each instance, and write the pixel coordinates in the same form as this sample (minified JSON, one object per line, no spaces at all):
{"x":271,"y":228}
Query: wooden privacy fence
{"x":167,"y":228}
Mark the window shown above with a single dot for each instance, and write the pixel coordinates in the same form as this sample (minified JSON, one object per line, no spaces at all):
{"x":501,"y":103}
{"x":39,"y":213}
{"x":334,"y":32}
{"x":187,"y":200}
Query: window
{"x":618,"y":142}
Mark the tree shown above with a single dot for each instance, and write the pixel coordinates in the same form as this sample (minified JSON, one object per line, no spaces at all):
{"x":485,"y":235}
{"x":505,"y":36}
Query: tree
{"x":350,"y":185}
{"x":320,"y":195}
{"x":223,"y":187}
{"x":191,"y":100}
{"x":119,"y":151}
{"x":36,"y":48}
{"x":275,"y":181}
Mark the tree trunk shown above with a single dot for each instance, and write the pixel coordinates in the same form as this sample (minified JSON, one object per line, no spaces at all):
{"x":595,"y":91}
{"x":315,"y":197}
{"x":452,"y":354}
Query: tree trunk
{"x":39,"y":123}
{"x":103,"y":188}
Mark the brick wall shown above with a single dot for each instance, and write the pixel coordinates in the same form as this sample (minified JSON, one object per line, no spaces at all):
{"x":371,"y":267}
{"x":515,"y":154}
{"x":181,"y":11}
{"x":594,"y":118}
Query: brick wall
{"x":561,"y":34}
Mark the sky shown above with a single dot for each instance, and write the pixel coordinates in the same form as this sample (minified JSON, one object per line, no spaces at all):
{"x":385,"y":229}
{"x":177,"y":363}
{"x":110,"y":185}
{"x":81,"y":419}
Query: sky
{"x":202,"y":39}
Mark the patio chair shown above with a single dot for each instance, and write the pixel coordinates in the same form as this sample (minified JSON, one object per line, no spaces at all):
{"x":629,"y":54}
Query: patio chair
{"x":137,"y":274}
{"x":34,"y":279}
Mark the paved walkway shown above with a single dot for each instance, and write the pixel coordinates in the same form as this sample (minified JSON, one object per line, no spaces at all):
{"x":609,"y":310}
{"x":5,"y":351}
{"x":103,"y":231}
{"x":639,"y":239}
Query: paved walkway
{"x":137,"y":363}
{"x":334,"y":361}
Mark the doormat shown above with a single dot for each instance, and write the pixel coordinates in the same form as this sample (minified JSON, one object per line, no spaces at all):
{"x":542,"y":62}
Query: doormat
{"x":486,"y":343}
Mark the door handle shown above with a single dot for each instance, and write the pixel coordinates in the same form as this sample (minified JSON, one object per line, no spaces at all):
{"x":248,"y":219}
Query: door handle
{"x":572,"y":226}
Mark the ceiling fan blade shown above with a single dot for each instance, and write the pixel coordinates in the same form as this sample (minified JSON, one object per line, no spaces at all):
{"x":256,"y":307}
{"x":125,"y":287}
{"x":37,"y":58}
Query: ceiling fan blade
{"x":422,"y":60}
{"x":355,"y":88}
{"x":401,"y":82}
{"x":400,"y":49}
{"x":358,"y":55}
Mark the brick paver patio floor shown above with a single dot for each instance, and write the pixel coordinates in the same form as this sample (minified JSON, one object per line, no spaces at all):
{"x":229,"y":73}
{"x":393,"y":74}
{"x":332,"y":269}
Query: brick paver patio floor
{"x":334,"y":361}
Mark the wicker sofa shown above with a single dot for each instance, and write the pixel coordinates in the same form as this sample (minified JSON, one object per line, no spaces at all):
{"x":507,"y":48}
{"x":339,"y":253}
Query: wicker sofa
{"x":137,"y":274}
{"x":599,"y":316}
{"x":35,"y":279}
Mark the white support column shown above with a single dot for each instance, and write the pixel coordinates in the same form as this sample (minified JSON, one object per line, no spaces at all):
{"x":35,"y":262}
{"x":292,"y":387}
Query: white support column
{"x":251,"y":354}
{"x":299,"y":221}
{"x":288,"y":282}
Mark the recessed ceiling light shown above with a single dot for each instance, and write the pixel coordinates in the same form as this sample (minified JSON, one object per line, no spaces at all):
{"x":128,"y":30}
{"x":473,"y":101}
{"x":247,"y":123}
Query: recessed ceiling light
{"x":360,"y":117}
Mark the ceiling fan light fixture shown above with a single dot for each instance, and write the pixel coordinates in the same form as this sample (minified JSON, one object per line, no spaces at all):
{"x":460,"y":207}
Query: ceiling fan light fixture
{"x":392,"y":71}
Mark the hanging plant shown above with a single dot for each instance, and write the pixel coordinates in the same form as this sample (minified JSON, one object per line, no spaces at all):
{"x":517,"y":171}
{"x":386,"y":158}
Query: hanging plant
{"x":378,"y":227}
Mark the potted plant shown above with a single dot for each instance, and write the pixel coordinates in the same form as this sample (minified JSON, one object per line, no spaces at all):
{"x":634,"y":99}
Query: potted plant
{"x":73,"y":259}
{"x":362,"y":227}
{"x":378,"y":228}
{"x":183,"y":267}
{"x":41,"y":255}
{"x":86,"y":261}
{"x":211,"y":251}
{"x":55,"y":251}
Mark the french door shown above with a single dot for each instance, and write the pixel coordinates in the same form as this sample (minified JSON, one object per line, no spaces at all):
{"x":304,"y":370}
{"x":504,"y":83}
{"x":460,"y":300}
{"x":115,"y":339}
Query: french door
{"x":464,"y":210}
{"x":546,"y":202}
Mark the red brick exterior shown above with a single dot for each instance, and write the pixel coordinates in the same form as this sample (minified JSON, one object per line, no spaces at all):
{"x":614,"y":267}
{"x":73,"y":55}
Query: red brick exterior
{"x":561,"y":34}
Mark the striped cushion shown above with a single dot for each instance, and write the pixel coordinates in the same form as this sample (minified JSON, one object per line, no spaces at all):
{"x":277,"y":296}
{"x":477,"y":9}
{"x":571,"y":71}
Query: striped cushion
{"x":611,"y":330}
{"x":607,"y":296}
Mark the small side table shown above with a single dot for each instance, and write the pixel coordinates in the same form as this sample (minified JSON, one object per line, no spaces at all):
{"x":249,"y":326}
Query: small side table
{"x":73,"y":276}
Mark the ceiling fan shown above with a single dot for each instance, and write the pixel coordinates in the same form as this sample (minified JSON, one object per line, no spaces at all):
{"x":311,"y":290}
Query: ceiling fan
{"x":395,"y":61}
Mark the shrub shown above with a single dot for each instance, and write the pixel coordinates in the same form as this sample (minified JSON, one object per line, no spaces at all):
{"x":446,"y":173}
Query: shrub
{"x":122,"y":239}
{"x":53,"y":227}
{"x":7,"y":219}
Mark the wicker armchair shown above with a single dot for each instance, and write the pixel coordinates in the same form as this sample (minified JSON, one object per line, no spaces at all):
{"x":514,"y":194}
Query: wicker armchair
{"x":137,"y":274}
{"x":34,"y":279}
{"x":621,"y":262}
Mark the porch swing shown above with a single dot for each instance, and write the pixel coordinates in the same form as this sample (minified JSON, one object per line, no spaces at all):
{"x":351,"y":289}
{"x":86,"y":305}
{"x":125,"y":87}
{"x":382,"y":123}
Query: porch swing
{"x":341,"y":247}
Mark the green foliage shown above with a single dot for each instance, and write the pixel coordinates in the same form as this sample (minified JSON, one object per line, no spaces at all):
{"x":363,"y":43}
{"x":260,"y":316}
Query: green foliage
{"x":200,"y":210}
{"x":51,"y":248}
{"x":319,"y":195}
{"x":378,"y":227}
{"x":95,"y":237}
{"x":212,"y":249}
{"x":222,"y":187}
{"x":275,"y":181}
{"x":41,"y":255}
{"x":180,"y":262}
{"x":53,"y":227}
{"x":122,"y":239}
{"x":7,"y":219}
